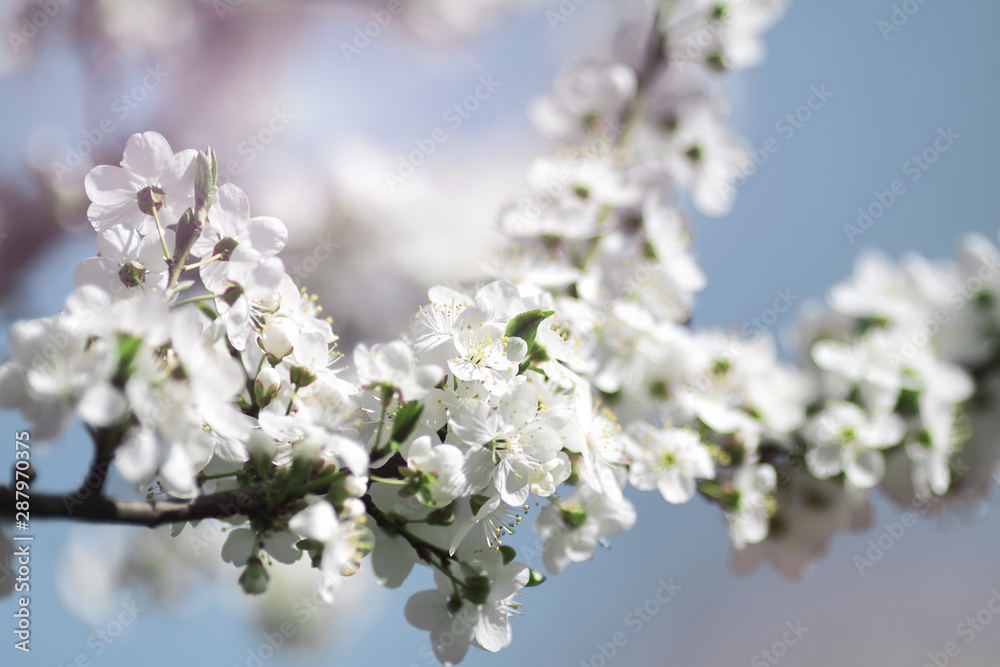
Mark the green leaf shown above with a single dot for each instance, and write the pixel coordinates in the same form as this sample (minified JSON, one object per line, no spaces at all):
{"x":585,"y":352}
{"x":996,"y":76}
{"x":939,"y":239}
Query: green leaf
{"x":405,"y":423}
{"x":525,"y":325}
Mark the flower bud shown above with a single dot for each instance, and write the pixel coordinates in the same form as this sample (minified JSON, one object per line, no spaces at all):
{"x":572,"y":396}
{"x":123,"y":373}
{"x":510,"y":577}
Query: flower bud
{"x":255,"y":577}
{"x":266,"y":386}
{"x":277,"y":339}
{"x":352,"y":509}
{"x":206,"y":179}
{"x":307,"y":450}
{"x":261,"y":445}
{"x":355,"y":487}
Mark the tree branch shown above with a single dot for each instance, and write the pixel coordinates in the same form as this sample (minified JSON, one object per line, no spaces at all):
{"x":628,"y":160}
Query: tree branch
{"x":152,"y":513}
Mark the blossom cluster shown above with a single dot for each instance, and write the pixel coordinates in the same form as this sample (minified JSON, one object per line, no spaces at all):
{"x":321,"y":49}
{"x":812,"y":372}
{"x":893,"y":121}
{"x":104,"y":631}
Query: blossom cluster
{"x":190,"y":354}
{"x":199,"y":367}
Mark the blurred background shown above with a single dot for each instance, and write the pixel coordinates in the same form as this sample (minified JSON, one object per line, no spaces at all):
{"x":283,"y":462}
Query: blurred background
{"x":307,"y":116}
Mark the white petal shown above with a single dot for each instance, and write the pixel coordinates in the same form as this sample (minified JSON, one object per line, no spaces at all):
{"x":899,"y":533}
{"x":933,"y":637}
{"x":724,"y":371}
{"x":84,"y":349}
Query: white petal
{"x":676,"y":487}
{"x":240,"y":545}
{"x":825,"y":461}
{"x":282,"y":547}
{"x":867,"y":468}
{"x":491,"y":631}
{"x":392,"y":560}
{"x":267,"y":235}
{"x":147,"y":155}
{"x":424,"y":610}
{"x":101,"y":405}
{"x":318,"y":521}
{"x":138,"y":456}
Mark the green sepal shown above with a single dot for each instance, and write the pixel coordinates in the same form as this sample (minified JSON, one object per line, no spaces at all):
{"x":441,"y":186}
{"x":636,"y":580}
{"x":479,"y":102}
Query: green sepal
{"x":534,"y":579}
{"x":508,"y":554}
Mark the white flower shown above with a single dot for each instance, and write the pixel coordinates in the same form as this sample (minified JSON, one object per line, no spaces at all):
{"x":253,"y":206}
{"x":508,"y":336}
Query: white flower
{"x":484,"y":624}
{"x":56,"y":373}
{"x":251,"y":280}
{"x":595,"y":435}
{"x":295,"y":304}
{"x":242,"y":544}
{"x":871,"y":363}
{"x":148,"y":166}
{"x":884,"y":293}
{"x":118,"y":246}
{"x":931,"y":448}
{"x":707,"y":157}
{"x":394,"y":365}
{"x":843,"y":438}
{"x":439,"y":402}
{"x":485,"y":354}
{"x":229,"y":218}
{"x":573,"y":527}
{"x":174,"y":395}
{"x":675,"y":276}
{"x":703,"y":30}
{"x":432,"y":330}
{"x":344,"y":543}
{"x":748,"y":522}
{"x":513,"y":445}
{"x":590,"y":93}
{"x":444,"y":467}
{"x":669,"y":460}
{"x":717,"y":381}
{"x":586,"y":192}
{"x":964,"y":337}
{"x":494,"y":519}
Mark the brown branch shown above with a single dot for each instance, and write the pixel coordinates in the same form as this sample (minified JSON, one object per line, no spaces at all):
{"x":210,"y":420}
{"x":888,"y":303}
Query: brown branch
{"x":152,"y":513}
